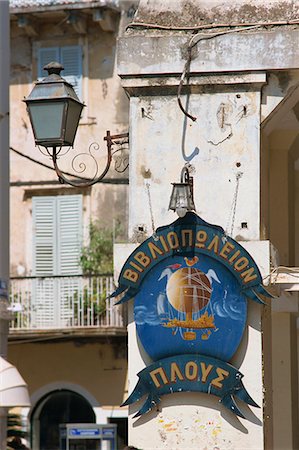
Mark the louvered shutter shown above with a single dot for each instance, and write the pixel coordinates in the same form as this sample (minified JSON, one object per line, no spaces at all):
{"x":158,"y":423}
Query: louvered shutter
{"x":44,"y":236}
{"x":71,"y":59}
{"x":44,"y":261}
{"x":57,"y":231}
{"x":45,"y":56}
{"x":69,"y":214}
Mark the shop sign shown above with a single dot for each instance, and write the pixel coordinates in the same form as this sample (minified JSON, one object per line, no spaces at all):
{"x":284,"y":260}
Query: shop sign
{"x":190,"y":283}
{"x":84,"y":432}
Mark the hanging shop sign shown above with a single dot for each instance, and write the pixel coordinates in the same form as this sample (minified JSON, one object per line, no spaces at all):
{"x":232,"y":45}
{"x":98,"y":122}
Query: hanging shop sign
{"x":190,"y":283}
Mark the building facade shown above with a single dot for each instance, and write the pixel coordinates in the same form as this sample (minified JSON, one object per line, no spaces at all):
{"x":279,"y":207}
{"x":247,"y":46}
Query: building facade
{"x":68,"y":341}
{"x":214,"y":85}
{"x":178,"y":61}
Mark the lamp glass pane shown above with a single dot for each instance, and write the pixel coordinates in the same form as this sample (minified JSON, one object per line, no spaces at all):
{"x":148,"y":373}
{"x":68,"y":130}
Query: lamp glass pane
{"x":182,"y":197}
{"x":179,"y":196}
{"x":73,"y":117}
{"x":47,"y":119}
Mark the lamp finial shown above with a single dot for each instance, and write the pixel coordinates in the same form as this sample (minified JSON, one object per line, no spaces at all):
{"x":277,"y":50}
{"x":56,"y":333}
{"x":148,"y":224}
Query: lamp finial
{"x":53,"y":67}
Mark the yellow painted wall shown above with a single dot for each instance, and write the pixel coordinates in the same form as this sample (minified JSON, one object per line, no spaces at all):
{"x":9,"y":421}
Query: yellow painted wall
{"x":100,"y":368}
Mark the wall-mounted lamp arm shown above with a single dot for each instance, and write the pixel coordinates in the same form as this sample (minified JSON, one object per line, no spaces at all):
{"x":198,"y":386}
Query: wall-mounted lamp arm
{"x":111,"y":140}
{"x":54,"y":97}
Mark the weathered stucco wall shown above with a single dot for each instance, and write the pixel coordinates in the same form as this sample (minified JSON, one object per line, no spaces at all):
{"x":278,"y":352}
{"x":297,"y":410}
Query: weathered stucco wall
{"x":226,"y":150}
{"x":176,"y":13}
{"x":222,"y":147}
{"x":237,"y":80}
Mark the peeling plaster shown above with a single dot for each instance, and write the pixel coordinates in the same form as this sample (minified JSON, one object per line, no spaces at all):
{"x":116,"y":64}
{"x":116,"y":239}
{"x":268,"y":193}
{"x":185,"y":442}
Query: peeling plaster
{"x":194,"y":13}
{"x":172,"y":431}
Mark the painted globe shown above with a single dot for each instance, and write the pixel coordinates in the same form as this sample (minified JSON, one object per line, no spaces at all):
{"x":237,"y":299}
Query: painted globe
{"x":188,"y":290}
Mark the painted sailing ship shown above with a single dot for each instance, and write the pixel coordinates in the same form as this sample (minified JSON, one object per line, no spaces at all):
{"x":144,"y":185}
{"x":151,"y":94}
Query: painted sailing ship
{"x":189,"y":292}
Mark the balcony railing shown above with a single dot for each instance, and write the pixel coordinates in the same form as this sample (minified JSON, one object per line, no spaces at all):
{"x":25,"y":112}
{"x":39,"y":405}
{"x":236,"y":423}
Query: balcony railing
{"x":63,"y":302}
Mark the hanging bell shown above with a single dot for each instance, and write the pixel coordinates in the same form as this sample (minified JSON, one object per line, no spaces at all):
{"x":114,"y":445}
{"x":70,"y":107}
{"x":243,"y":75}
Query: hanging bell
{"x":181,"y":199}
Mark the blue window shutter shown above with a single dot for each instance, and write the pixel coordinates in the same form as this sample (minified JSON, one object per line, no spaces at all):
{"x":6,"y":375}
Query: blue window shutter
{"x":71,"y":59}
{"x":45,"y":56}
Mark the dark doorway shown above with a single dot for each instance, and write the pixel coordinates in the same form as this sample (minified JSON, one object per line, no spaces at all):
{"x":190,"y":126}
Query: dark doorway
{"x":122,"y":430}
{"x":58,"y":408}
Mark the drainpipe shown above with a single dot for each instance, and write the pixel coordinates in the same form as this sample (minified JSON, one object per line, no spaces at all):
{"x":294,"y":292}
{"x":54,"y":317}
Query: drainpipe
{"x":4,"y":193}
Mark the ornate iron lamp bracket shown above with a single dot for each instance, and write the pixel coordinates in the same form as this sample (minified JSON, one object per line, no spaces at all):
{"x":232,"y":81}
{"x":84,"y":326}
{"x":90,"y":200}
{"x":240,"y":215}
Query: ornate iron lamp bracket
{"x":121,"y":163}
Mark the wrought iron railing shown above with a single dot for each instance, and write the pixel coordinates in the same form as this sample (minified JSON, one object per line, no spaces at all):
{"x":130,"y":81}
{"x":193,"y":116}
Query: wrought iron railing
{"x":63,"y":302}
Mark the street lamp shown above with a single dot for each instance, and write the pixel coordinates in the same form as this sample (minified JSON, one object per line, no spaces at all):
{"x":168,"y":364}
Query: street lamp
{"x":54,"y":111}
{"x":181,"y":199}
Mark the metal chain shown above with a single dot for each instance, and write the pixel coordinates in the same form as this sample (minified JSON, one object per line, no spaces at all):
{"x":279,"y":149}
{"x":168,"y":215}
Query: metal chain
{"x":232,"y":214}
{"x":151,"y":211}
